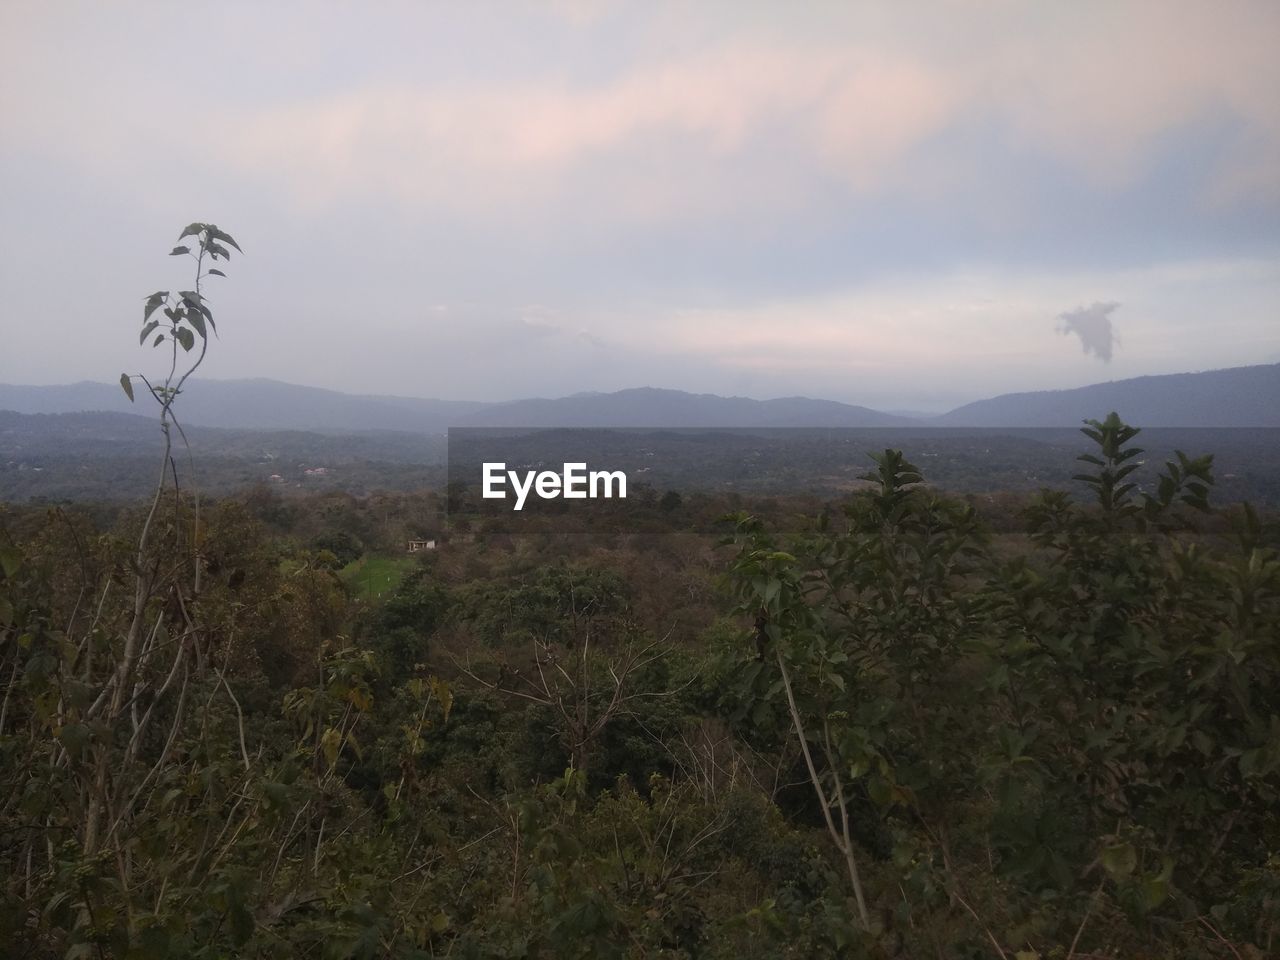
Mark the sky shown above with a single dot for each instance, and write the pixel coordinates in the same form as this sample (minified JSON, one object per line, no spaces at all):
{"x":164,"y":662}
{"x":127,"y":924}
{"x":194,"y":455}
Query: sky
{"x":906,"y":206}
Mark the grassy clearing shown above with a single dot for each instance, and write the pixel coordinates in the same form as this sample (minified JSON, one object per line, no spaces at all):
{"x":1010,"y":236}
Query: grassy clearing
{"x":374,"y":577}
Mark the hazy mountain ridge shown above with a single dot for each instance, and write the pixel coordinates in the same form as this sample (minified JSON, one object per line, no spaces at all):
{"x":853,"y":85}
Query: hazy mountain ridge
{"x":1238,"y":397}
{"x":273,"y":405}
{"x":1235,"y":397}
{"x":252,"y":404}
{"x":653,"y":407}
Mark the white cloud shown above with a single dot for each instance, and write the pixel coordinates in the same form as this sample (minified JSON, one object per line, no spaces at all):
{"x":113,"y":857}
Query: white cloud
{"x":1095,"y":87}
{"x":1093,"y":326}
{"x":627,"y":165}
{"x":846,"y":95}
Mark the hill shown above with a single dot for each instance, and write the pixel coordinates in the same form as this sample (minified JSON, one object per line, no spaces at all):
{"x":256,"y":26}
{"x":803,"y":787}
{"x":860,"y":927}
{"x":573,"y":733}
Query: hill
{"x":252,"y":404}
{"x":272,"y":405}
{"x":1236,"y":397}
{"x":650,"y":407}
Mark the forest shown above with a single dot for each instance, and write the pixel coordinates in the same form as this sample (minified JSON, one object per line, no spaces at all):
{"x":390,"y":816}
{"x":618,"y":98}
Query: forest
{"x":69,"y":457}
{"x":898,"y":722}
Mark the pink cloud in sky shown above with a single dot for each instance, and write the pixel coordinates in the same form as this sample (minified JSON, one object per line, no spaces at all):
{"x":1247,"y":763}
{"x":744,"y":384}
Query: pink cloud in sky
{"x":1096,"y":90}
{"x":850,"y":94}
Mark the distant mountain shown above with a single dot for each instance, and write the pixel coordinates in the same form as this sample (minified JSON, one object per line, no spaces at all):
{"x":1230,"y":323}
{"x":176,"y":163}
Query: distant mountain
{"x":272,"y":405}
{"x":650,"y":407}
{"x":1240,"y":397}
{"x":1236,"y":397}
{"x":252,"y":404}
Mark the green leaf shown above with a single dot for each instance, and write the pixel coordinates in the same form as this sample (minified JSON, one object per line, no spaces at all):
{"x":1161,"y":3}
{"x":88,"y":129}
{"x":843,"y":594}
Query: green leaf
{"x":216,"y":273}
{"x":331,"y":743}
{"x":1155,"y":890}
{"x":186,"y":338}
{"x":1120,"y":860}
{"x":771,"y":590}
{"x":153,"y":303}
{"x":126,"y":386}
{"x":221,"y":235}
{"x":191,"y":230}
{"x":146,"y":331}
{"x":158,"y":340}
{"x":444,"y":693}
{"x":179,"y":251}
{"x":169,"y":797}
{"x":195,"y":303}
{"x":10,"y":560}
{"x":197,"y":321}
{"x":879,"y":790}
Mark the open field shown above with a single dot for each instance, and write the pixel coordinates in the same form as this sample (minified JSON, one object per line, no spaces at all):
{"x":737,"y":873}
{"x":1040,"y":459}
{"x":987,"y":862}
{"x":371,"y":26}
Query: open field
{"x":372,"y":577}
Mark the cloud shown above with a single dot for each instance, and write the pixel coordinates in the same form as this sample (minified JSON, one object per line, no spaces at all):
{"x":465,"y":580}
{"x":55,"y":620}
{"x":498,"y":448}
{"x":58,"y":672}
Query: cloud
{"x":849,"y":108}
{"x":653,"y":141}
{"x":537,"y":323}
{"x":1092,"y":324}
{"x":685,"y":116}
{"x":620,"y":192}
{"x":693,"y":119}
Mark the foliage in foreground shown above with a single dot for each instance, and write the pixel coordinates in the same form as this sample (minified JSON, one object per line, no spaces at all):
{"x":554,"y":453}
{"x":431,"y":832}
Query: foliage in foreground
{"x":1077,"y":747}
{"x":921,"y":750}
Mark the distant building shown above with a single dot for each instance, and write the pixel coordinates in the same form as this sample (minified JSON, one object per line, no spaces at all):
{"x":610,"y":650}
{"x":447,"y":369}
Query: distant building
{"x":417,"y":545}
{"x":316,"y":471}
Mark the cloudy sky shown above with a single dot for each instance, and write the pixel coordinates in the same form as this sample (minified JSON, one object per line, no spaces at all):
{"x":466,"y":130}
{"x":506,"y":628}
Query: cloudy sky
{"x":906,"y":206}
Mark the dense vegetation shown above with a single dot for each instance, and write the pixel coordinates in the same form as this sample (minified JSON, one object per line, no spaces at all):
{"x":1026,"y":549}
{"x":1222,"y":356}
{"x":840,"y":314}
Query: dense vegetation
{"x":78,"y":457}
{"x":901,"y":727}
{"x":1062,"y":743}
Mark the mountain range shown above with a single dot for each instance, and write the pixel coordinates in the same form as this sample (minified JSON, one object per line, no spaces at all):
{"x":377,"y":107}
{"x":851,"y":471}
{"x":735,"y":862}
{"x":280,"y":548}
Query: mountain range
{"x":1236,"y":397}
